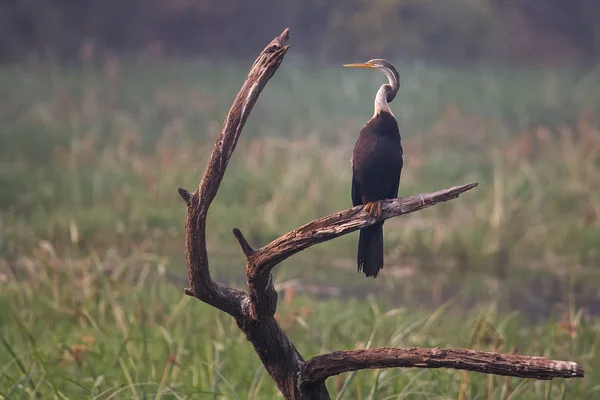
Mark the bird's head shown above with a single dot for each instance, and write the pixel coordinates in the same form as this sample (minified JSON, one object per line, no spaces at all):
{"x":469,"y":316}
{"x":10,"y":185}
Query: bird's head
{"x":381,"y":65}
{"x":376,"y":63}
{"x":387,"y":68}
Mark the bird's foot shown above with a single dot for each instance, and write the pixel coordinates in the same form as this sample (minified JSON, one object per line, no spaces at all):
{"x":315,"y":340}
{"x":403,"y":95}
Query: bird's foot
{"x":373,"y":208}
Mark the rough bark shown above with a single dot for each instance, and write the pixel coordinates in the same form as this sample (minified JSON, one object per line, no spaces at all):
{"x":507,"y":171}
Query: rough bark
{"x":321,"y":367}
{"x":254,"y":311}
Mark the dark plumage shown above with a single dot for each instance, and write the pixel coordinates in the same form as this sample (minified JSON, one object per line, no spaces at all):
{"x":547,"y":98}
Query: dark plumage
{"x":376,"y":167}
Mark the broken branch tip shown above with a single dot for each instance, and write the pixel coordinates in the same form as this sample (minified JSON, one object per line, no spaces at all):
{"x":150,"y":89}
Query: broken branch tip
{"x":244,"y":245}
{"x":185,"y":195}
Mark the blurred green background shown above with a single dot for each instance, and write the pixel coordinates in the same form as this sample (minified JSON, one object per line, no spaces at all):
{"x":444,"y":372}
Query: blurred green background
{"x":108,"y":107}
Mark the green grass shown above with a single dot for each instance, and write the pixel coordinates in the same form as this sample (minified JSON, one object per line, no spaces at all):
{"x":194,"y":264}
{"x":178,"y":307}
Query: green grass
{"x":94,"y":157}
{"x":93,"y":328}
{"x":91,"y":226}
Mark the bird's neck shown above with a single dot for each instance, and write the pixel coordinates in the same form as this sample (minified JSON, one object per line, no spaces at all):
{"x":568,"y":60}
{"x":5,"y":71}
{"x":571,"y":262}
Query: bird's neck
{"x":387,"y":93}
{"x":381,"y":100}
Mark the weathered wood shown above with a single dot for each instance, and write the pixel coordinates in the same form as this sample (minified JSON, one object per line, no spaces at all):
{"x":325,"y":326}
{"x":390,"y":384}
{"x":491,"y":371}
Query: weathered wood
{"x":278,"y":355}
{"x":202,"y":286}
{"x":262,"y":261}
{"x":254,"y":311}
{"x":321,"y":367}
{"x":344,"y":222}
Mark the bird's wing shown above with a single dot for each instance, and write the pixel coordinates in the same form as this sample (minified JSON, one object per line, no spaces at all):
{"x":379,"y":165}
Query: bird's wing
{"x":356,"y":197}
{"x":393,"y":193}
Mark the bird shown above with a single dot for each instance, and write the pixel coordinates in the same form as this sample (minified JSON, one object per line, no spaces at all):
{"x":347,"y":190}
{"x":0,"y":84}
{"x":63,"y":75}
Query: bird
{"x":377,"y":161}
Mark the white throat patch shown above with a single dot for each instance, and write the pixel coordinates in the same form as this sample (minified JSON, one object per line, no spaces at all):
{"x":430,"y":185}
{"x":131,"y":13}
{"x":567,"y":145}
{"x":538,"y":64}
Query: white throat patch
{"x":381,"y":103}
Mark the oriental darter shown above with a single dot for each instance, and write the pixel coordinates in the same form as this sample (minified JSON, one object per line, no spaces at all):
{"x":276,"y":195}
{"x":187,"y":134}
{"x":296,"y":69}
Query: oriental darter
{"x":376,"y":166}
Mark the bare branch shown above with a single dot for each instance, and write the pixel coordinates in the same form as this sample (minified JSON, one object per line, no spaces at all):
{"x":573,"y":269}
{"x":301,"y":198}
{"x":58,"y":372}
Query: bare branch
{"x":321,"y":367}
{"x":262,"y":70}
{"x":202,"y":285}
{"x":277,"y":353}
{"x":344,"y":222}
{"x":185,"y":195}
{"x":244,"y":245}
{"x":262,"y":261}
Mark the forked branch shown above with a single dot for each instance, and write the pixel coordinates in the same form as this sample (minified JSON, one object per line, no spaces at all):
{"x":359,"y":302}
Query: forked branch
{"x":202,"y":286}
{"x":254,"y":311}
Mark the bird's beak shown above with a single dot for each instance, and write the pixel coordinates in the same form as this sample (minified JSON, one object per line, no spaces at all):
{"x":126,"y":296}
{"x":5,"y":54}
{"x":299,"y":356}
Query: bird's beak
{"x":359,"y":65}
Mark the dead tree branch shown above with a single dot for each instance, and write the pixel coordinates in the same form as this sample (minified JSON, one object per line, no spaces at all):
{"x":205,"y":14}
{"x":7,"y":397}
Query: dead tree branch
{"x":202,"y":286}
{"x":321,"y":367}
{"x":260,"y":263}
{"x":254,"y":311}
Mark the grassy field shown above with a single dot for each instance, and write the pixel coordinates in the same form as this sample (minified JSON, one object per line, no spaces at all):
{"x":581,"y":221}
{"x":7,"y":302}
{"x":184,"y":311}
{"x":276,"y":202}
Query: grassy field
{"x":91,"y":226}
{"x":75,"y":331}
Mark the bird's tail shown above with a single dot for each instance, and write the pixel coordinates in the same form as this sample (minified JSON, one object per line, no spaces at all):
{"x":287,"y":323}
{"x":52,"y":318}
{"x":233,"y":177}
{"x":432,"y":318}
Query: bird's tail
{"x":370,"y":250}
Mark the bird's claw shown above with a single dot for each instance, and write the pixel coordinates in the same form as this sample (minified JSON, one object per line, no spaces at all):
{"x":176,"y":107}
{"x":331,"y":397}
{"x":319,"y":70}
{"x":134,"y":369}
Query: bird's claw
{"x":373,"y":208}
